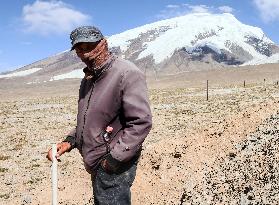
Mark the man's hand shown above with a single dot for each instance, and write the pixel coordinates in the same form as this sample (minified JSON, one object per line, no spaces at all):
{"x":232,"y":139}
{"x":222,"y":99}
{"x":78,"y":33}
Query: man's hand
{"x":106,"y":166}
{"x":61,"y":149}
{"x":110,"y":165}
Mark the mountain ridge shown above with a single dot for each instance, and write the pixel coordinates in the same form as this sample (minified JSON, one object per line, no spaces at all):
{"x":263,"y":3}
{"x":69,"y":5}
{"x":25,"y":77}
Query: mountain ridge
{"x":193,"y":33}
{"x":192,"y":42}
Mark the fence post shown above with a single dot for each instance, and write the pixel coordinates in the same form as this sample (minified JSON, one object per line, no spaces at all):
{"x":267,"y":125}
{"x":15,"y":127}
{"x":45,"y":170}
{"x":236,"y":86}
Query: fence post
{"x":244,"y":84}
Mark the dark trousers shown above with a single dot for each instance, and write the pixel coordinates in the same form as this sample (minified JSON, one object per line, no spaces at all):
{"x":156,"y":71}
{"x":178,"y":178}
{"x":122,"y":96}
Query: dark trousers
{"x":114,"y":188}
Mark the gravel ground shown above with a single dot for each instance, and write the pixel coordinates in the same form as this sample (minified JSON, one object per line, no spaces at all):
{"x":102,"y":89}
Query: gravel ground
{"x":221,"y":151}
{"x":250,"y":175}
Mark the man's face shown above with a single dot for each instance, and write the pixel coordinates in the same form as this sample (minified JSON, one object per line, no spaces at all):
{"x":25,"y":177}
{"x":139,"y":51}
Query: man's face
{"x":83,"y":50}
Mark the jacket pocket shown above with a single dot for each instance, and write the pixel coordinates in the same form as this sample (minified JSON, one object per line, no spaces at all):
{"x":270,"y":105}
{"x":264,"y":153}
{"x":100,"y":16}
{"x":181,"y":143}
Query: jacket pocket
{"x":99,"y":140}
{"x":116,"y":137}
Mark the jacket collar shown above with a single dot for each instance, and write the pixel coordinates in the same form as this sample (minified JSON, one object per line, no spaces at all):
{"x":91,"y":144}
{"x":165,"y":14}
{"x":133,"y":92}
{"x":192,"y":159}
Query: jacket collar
{"x":96,"y":74}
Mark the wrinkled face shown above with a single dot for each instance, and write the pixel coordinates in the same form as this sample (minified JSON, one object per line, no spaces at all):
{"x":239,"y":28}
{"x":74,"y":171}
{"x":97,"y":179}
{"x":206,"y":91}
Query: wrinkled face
{"x":83,"y":50}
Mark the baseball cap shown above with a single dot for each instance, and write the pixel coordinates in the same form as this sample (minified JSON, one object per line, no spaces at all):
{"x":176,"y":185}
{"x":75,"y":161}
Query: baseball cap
{"x":85,"y":34}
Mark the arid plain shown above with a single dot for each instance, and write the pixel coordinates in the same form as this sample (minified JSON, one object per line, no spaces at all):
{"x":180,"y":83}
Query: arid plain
{"x":223,"y":150}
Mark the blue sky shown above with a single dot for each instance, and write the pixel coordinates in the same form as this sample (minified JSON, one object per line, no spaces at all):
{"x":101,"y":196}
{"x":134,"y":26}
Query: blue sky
{"x":32,"y":30}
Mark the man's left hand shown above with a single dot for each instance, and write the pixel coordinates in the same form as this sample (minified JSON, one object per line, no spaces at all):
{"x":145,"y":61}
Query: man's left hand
{"x":105,"y":165}
{"x":110,"y":165}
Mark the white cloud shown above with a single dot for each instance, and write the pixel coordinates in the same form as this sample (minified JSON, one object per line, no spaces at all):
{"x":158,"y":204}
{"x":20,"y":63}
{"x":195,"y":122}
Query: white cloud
{"x":46,"y":17}
{"x":174,"y":10}
{"x":199,"y":9}
{"x":226,"y":9}
{"x":269,"y":9}
{"x":172,"y":6}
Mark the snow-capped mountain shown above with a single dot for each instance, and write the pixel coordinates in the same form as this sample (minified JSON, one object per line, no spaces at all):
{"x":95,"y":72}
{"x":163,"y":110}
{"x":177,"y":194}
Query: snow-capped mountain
{"x":211,"y":38}
{"x":192,"y":42}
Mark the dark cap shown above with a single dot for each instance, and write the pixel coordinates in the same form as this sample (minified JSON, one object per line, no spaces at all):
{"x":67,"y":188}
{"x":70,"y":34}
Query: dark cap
{"x":85,"y":34}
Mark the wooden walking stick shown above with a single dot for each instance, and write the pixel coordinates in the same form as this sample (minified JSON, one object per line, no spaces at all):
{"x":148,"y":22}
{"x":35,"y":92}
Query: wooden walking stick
{"x":207,"y":90}
{"x":54,"y":175}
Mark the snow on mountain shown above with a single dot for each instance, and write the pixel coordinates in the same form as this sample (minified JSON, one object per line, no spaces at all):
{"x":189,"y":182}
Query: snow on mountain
{"x":20,"y":73}
{"x":195,"y":33}
{"x":199,"y":41}
{"x":73,"y":74}
{"x":272,"y":59}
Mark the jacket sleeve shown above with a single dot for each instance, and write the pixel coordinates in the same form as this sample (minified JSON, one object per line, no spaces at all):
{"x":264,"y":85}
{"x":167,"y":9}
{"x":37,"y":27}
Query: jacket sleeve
{"x":136,"y":114}
{"x":71,"y":136}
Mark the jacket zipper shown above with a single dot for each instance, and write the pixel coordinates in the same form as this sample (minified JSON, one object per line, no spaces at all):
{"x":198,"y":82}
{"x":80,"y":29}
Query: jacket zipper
{"x":84,"y":118}
{"x":85,"y":115}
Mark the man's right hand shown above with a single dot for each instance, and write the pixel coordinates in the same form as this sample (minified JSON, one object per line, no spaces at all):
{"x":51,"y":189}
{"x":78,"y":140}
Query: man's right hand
{"x":61,"y":149}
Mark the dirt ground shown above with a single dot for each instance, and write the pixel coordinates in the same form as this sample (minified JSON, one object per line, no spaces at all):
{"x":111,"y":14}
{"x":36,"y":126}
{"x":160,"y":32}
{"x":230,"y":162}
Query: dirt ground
{"x":189,"y":136}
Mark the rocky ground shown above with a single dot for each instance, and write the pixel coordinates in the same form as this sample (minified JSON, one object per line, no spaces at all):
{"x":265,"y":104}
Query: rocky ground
{"x":249,"y":175}
{"x":221,"y":151}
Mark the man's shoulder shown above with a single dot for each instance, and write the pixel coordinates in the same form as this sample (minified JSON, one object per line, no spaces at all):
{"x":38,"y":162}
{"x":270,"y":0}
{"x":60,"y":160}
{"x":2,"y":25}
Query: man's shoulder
{"x":125,"y":65}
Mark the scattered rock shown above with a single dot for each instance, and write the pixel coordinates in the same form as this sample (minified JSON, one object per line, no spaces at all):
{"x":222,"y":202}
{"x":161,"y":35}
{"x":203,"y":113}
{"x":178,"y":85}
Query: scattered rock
{"x":26,"y":199}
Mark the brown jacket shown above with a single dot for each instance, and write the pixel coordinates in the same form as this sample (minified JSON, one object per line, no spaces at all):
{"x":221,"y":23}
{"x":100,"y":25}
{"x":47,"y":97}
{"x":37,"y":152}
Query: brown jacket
{"x":117,"y":98}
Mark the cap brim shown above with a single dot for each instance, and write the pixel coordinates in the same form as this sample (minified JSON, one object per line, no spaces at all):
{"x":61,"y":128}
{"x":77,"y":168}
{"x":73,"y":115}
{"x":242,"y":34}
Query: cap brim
{"x":84,"y":40}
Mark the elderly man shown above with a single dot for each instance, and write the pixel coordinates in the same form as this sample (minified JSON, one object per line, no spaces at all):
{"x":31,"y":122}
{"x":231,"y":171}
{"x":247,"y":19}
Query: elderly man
{"x":113,"y":118}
